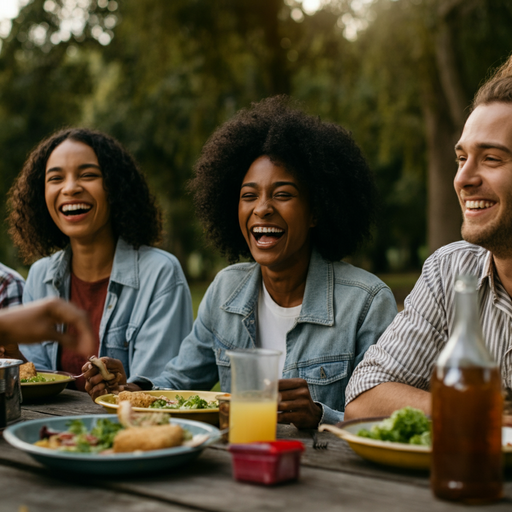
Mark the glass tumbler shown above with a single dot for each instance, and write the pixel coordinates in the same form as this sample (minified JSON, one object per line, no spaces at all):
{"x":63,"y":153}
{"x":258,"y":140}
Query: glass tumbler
{"x":253,"y":410}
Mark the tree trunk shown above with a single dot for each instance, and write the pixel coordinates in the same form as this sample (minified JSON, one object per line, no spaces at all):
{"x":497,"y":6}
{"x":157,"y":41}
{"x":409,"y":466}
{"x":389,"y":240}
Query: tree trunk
{"x":449,"y":76}
{"x":444,"y":215}
{"x":277,"y":65}
{"x":445,"y":110}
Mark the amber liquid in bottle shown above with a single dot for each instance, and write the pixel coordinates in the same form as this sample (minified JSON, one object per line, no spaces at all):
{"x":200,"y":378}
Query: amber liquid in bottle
{"x":467,"y":408}
{"x":466,"y":415}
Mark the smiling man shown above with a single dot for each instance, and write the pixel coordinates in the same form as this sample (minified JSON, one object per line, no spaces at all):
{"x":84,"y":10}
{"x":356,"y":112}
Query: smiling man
{"x":396,"y":371}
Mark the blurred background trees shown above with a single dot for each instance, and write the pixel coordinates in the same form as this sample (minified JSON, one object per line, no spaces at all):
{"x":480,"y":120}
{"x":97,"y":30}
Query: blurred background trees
{"x":161,"y":75}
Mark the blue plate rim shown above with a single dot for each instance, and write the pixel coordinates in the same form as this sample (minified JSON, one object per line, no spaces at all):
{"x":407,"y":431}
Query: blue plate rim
{"x":10,"y":436}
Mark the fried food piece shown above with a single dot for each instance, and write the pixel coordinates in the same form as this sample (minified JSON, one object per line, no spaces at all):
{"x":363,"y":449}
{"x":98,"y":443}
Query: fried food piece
{"x":148,"y":438}
{"x":136,"y":398}
{"x":96,"y":361}
{"x":27,"y":371}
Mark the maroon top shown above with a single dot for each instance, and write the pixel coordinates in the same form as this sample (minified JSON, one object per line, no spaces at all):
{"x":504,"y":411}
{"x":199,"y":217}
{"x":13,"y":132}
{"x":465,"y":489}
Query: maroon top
{"x":91,"y":298}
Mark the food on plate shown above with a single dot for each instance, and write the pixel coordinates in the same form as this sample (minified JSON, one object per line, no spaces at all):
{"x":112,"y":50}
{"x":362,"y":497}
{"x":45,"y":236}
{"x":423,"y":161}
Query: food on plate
{"x":78,"y":439}
{"x":128,"y":418}
{"x":37,"y":378}
{"x":136,"y":398}
{"x":148,"y":438}
{"x":29,"y":374}
{"x":192,"y":402}
{"x":145,"y":400}
{"x":96,"y":361}
{"x":407,"y":425}
{"x":27,"y":371}
{"x":134,"y":432}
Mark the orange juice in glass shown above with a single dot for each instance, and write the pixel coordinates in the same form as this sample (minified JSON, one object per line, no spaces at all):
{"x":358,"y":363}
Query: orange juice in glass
{"x":253,"y":410}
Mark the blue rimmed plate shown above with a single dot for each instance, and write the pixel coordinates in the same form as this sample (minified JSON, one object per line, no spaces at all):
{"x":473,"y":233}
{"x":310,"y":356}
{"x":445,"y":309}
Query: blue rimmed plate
{"x":24,"y":435}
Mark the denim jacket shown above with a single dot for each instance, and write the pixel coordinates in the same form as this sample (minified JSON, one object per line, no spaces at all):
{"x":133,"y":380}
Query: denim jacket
{"x":344,"y":311}
{"x":147,"y":312}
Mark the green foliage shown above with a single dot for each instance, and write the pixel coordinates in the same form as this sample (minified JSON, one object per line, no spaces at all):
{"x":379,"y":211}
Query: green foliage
{"x":174,"y":70}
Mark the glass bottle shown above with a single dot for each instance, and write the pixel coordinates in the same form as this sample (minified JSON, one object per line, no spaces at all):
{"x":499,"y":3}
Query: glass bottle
{"x":467,"y":408}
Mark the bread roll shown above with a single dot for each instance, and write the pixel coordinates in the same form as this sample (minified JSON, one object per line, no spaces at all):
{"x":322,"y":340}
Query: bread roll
{"x":27,"y":371}
{"x":148,"y":438}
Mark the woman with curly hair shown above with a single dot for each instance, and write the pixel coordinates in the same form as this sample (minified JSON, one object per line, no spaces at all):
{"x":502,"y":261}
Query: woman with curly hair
{"x":294,"y":195}
{"x":81,"y":202}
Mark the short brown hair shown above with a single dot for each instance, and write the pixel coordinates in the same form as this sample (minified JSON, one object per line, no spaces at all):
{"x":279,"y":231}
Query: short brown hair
{"x":498,"y":88}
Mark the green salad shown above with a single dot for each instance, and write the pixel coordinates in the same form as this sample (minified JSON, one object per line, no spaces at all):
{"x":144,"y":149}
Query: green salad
{"x":37,"y":378}
{"x":80,"y":440}
{"x":407,"y":425}
{"x":193,"y":402}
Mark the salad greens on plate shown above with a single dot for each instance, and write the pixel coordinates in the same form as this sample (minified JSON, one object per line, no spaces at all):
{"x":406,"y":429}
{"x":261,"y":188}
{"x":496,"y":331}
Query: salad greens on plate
{"x":79,"y":439}
{"x":193,"y":402}
{"x":407,"y":425}
{"x":37,"y":378}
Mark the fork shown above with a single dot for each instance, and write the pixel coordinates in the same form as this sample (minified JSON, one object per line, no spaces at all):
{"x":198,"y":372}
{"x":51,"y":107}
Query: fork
{"x":316,"y":444}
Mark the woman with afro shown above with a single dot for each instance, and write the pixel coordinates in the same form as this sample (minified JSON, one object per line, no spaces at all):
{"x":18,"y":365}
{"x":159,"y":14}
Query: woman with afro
{"x":82,"y":204}
{"x":294,"y":195}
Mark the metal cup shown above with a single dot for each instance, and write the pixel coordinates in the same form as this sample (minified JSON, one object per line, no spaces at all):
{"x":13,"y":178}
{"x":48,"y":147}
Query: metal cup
{"x":10,"y":391}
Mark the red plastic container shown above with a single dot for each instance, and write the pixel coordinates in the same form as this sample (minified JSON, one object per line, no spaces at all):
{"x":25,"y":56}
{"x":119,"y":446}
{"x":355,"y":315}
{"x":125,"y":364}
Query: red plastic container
{"x":267,"y":463}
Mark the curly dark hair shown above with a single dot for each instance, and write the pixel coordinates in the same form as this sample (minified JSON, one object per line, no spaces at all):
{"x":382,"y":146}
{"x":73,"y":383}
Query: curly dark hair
{"x":134,"y":214}
{"x":321,"y":155}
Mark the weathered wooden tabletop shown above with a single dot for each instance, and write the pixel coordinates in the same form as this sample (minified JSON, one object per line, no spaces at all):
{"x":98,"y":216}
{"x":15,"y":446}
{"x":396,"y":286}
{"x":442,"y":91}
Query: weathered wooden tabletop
{"x":335,"y":479}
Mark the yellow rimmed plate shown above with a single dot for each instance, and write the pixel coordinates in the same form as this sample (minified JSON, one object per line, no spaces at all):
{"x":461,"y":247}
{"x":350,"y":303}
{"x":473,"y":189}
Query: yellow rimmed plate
{"x":395,"y":454}
{"x":210,"y":416}
{"x":31,"y":391}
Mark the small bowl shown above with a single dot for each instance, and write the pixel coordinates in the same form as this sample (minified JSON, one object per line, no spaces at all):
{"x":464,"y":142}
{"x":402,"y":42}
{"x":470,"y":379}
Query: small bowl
{"x":33,"y":391}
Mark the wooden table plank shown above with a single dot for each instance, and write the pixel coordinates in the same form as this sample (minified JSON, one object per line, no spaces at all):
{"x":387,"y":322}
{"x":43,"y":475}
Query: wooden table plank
{"x":206,"y":484}
{"x":42,"y":494}
{"x":68,"y":403}
{"x":332,"y":479}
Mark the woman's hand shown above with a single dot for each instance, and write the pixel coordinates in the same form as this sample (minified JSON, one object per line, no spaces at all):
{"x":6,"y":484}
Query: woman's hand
{"x":296,"y":404}
{"x":96,"y":386}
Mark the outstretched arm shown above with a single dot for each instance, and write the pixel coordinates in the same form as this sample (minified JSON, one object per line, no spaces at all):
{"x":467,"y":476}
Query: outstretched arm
{"x":38,"y":322}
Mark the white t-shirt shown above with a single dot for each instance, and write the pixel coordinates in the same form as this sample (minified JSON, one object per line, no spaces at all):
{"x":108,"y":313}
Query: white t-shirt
{"x":274,"y":322}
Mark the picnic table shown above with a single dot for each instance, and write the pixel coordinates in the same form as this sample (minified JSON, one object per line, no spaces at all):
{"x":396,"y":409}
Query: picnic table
{"x":333,"y":479}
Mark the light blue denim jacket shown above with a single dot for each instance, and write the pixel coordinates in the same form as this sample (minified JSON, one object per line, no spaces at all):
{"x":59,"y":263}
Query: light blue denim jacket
{"x":344,"y":311}
{"x":147,"y":312}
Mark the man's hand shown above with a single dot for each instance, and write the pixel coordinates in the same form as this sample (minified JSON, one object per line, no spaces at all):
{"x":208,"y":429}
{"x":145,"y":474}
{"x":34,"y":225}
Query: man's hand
{"x":37,"y":321}
{"x":296,"y":404}
{"x":96,"y":386}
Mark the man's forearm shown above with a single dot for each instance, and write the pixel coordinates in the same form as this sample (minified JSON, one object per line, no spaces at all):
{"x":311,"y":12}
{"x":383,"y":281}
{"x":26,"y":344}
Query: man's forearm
{"x":385,"y":398}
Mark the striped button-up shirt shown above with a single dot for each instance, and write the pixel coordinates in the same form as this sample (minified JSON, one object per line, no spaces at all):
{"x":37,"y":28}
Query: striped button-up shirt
{"x":11,"y":287}
{"x":410,"y":346}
